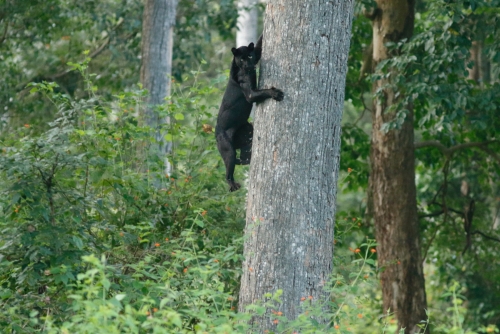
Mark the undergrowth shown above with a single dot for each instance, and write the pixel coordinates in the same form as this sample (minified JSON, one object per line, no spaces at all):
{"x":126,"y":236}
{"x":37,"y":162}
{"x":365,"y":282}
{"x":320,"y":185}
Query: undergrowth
{"x":96,"y":238}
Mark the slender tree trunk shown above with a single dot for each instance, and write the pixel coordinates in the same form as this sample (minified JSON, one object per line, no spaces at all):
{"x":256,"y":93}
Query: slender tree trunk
{"x":157,"y":43}
{"x":475,"y":56}
{"x":480,"y":72}
{"x":247,"y":22}
{"x":393,"y":182}
{"x":296,"y":152}
{"x":484,"y":64}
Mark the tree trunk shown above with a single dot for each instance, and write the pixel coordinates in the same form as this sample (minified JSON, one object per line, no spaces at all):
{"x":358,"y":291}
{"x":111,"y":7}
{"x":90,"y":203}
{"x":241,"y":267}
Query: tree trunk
{"x":393,"y":182}
{"x":475,"y":57}
{"x":296,"y":151}
{"x":247,"y":22}
{"x":480,"y":72}
{"x":157,"y":42}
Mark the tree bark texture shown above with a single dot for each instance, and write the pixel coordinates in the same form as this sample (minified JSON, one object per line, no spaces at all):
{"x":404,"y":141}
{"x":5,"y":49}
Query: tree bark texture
{"x":247,"y":22}
{"x":393,"y":182}
{"x":296,"y":153}
{"x":157,"y":43}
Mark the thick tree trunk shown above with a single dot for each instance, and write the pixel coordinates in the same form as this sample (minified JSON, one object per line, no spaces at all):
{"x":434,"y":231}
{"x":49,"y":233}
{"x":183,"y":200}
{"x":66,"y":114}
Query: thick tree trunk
{"x":247,"y":22}
{"x":393,"y":183}
{"x":295,"y":155}
{"x":157,"y":43}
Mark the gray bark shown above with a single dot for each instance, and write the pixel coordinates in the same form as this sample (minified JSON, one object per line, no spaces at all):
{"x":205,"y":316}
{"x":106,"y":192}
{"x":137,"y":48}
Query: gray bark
{"x":157,"y":43}
{"x":296,"y":153}
{"x":247,"y":22}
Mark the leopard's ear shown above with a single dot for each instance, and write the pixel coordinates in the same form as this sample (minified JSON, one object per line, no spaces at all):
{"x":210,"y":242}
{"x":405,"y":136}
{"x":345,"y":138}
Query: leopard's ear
{"x":235,"y":51}
{"x":250,"y":47}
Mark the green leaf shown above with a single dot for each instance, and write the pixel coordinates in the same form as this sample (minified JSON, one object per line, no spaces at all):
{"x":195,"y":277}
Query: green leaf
{"x":179,"y":116}
{"x":15,"y":198}
{"x":163,"y":302}
{"x":176,"y":319}
{"x":106,"y":283}
{"x":78,"y":242}
{"x":120,"y":296}
{"x":4,"y":294}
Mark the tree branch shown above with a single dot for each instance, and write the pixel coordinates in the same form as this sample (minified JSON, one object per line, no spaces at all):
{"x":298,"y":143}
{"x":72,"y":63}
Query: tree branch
{"x":365,"y":109}
{"x":2,"y":39}
{"x":424,"y":257}
{"x":450,"y":150}
{"x":486,"y":236}
{"x":367,"y":67}
{"x":92,"y":55}
{"x":458,"y":212}
{"x":494,"y":155}
{"x":432,"y":214}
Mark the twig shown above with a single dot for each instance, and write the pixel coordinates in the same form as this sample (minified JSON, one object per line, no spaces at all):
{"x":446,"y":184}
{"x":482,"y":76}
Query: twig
{"x":437,"y":193}
{"x":433,"y":214}
{"x":94,"y":54}
{"x":458,"y":212}
{"x":432,"y":238}
{"x":444,"y":208}
{"x":365,"y":109}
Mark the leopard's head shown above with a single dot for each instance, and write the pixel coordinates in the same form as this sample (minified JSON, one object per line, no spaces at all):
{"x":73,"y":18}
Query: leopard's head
{"x":245,"y":57}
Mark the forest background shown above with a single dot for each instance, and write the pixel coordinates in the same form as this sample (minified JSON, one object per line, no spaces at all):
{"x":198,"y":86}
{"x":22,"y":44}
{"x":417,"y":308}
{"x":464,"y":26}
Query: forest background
{"x":97,"y":238}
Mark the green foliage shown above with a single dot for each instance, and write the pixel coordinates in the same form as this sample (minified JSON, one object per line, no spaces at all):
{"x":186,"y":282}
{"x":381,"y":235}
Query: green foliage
{"x":201,"y":27}
{"x":96,"y":238}
{"x":38,"y":38}
{"x":90,"y":243}
{"x":80,"y":188}
{"x":453,"y":109}
{"x":456,"y":119}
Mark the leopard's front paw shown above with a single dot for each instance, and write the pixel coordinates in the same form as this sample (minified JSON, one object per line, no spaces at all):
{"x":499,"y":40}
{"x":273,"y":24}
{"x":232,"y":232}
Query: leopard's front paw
{"x":278,"y":94}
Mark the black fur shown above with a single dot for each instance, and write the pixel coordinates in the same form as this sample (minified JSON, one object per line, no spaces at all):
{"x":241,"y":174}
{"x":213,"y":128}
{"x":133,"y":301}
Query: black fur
{"x":233,"y":131}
